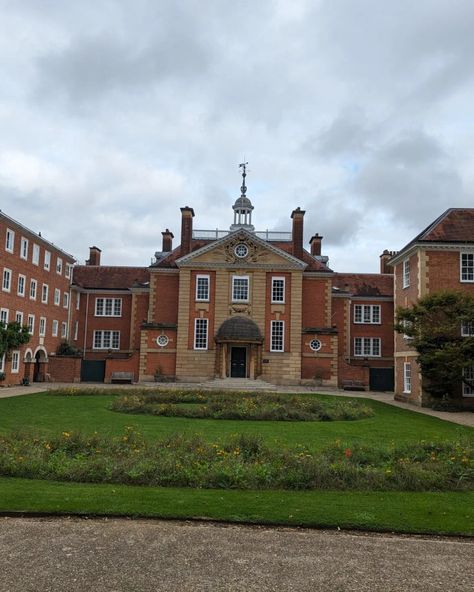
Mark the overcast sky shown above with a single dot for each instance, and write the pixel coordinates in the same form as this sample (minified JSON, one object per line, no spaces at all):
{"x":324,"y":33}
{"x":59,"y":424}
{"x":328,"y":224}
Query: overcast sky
{"x":114,"y":113}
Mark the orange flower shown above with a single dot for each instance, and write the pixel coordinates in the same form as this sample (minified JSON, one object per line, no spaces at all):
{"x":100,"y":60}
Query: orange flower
{"x":348,"y":452}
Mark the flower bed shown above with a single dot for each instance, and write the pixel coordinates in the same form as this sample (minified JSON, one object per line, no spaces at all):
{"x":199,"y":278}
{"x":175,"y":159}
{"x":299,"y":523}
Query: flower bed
{"x":241,"y":462}
{"x":245,"y":406}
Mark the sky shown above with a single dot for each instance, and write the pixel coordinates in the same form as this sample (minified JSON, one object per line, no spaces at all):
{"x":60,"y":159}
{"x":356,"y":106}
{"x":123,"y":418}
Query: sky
{"x":115,"y":113}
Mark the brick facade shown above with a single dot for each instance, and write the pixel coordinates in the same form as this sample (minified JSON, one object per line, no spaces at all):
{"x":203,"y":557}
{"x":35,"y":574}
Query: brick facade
{"x":35,"y":290}
{"x":434,"y":259}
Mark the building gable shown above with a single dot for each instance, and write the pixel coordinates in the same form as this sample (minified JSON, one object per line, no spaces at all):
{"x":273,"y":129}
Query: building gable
{"x":241,"y":249}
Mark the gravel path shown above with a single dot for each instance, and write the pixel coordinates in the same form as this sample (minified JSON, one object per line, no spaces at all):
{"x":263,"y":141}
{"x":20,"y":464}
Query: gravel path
{"x":111,"y":555}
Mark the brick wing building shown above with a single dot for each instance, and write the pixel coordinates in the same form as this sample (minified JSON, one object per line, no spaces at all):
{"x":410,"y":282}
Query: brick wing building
{"x":35,"y":292}
{"x":441,"y":257}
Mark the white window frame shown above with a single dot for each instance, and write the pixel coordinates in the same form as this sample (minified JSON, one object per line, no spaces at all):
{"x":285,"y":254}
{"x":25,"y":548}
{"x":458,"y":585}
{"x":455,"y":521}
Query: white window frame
{"x":10,"y":240}
{"x":235,"y":279}
{"x":199,"y":289}
{"x":467,"y":329}
{"x":24,"y":248}
{"x":107,"y":307}
{"x":42,"y":327}
{"x":67,"y":271}
{"x":364,"y":314}
{"x":104,"y":339}
{"x":468,"y":391}
{"x":57,"y":297}
{"x":47,"y":260}
{"x":2,"y":363}
{"x":59,"y":266}
{"x":64,"y":330}
{"x":466,"y":269}
{"x":21,"y":292}
{"x":366,"y":349}
{"x":277,"y":339}
{"x":4,"y":315}
{"x":78,"y":300}
{"x":201,"y":333}
{"x":44,"y":293}
{"x":281,"y":300}
{"x":76,"y":330}
{"x":406,"y":273}
{"x":65,"y":299}
{"x":407,"y":377}
{"x":15,"y":363}
{"x":7,"y":273}
{"x":35,"y":257}
{"x":19,"y":317}
{"x":33,"y":289}
{"x":31,"y":324}
{"x":55,"y":328}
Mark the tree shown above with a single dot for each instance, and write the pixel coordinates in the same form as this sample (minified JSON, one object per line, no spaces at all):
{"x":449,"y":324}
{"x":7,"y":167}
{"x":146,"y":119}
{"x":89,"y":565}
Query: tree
{"x":12,"y":336}
{"x":441,"y":329}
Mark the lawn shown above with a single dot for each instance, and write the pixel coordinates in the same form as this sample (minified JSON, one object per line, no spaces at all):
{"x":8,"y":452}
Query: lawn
{"x":48,"y":415}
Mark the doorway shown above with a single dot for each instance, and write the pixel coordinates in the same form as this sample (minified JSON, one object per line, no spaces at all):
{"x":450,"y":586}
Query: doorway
{"x":238,"y":362}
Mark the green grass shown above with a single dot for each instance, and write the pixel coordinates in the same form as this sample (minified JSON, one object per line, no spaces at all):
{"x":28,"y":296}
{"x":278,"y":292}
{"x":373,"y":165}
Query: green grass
{"x":49,"y":414}
{"x":435,"y":513}
{"x":427,"y":512}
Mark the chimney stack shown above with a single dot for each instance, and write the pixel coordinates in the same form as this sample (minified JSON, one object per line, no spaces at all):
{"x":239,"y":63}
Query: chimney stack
{"x":297,"y":234}
{"x":94,"y":256}
{"x":187,"y":215}
{"x":315,"y":243}
{"x":384,"y":259}
{"x":168,"y":237}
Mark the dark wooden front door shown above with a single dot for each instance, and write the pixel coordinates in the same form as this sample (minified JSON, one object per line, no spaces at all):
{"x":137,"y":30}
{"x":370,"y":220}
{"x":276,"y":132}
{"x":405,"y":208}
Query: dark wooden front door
{"x":238,"y":362}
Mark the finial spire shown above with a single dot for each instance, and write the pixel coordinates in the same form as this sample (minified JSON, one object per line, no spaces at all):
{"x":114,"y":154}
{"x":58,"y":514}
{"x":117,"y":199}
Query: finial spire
{"x":243,"y":166}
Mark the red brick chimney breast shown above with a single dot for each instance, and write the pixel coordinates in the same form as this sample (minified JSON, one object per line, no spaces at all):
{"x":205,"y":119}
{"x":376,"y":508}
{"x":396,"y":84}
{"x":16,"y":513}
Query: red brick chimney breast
{"x":94,"y":256}
{"x":168,"y":237}
{"x":187,"y":215}
{"x":297,"y":234}
{"x":315,"y":242}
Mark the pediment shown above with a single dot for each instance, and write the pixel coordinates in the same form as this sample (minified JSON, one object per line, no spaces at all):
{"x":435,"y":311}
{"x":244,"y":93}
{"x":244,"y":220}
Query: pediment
{"x":224,"y":253}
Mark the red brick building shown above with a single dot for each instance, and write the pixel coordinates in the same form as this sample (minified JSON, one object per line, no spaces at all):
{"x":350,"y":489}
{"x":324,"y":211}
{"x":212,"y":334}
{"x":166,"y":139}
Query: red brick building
{"x":235,"y":303}
{"x":441,"y":257}
{"x":35,"y":292}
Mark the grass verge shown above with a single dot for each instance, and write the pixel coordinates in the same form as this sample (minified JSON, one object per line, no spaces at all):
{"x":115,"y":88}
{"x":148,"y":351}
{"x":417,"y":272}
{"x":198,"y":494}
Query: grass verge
{"x":417,"y":513}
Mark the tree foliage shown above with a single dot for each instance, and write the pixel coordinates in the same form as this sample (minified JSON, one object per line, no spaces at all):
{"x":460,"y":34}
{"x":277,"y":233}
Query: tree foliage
{"x":12,"y":336}
{"x":434,"y":327}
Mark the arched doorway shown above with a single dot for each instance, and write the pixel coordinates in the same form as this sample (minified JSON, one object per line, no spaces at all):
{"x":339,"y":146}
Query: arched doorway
{"x":40,"y":365}
{"x":239,"y":349}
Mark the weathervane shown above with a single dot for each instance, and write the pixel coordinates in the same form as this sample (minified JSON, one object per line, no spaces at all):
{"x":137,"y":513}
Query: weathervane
{"x":243,"y":166}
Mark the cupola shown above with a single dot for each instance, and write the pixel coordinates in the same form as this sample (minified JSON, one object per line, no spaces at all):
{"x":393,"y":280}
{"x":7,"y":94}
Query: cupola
{"x":243,"y":206}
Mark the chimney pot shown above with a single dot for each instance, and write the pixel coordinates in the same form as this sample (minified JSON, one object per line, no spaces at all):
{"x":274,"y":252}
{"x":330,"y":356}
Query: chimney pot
{"x":384,"y":259}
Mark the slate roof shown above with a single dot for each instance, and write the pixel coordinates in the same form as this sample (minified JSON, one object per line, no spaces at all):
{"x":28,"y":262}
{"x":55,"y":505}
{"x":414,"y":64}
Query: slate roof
{"x":363,"y":284}
{"x":239,"y":328}
{"x":102,"y":277}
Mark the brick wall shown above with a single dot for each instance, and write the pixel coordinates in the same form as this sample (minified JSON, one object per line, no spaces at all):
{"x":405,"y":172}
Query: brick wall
{"x":65,"y":368}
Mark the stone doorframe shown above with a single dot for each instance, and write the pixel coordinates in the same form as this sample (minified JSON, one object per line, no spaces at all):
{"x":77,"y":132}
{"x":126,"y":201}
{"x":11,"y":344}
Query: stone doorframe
{"x":223,"y":354}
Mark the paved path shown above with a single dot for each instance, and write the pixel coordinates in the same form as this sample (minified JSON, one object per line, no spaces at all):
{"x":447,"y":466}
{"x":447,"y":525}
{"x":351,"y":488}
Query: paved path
{"x":58,"y":555}
{"x":462,"y":418}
